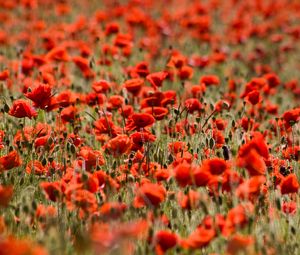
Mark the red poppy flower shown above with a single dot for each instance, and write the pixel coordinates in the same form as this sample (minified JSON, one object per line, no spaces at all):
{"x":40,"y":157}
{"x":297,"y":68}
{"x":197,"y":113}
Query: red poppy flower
{"x":4,"y":75}
{"x":192,"y":105}
{"x":215,"y":166}
{"x":289,"y":208}
{"x":289,"y":184}
{"x":251,"y":188}
{"x":189,"y":201}
{"x":185,"y":72}
{"x":42,"y":212}
{"x":239,"y":215}
{"x":156,"y":79}
{"x":112,"y":210}
{"x":10,"y":161}
{"x":12,"y":246}
{"x":139,"y":121}
{"x":53,"y":190}
{"x":252,"y":154}
{"x":201,"y":178}
{"x":90,"y":158}
{"x":253,"y":162}
{"x":199,"y":238}
{"x":183,"y":174}
{"x":292,"y":116}
{"x":150,"y":194}
{"x":273,"y":79}
{"x":21,"y":109}
{"x":164,"y":240}
{"x":118,"y":145}
{"x":6,"y":193}
{"x":83,"y":65}
{"x":101,"y":86}
{"x":82,"y":199}
{"x":239,"y":243}
{"x":140,"y":138}
{"x":210,"y":80}
{"x":134,"y":86}
{"x":40,"y":95}
{"x":35,"y":167}
{"x":105,"y":126}
{"x":68,"y":114}
{"x":253,"y":97}
{"x":157,"y":112}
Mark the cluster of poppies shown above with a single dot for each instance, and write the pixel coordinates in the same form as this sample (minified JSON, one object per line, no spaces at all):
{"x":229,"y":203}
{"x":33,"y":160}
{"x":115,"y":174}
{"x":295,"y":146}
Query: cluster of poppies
{"x":149,"y":127}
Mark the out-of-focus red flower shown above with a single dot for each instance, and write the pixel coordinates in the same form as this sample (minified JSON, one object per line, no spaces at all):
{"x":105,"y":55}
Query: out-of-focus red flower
{"x":6,"y":193}
{"x":185,"y":72}
{"x":83,"y":65}
{"x":134,"y":86}
{"x":4,"y":75}
{"x":53,"y":190}
{"x":156,"y":79}
{"x":239,"y":215}
{"x":68,"y":114}
{"x":10,"y":161}
{"x":291,"y":117}
{"x":289,"y":207}
{"x":21,"y":109}
{"x":289,"y":184}
{"x":164,"y":240}
{"x":42,"y":212}
{"x":192,"y":105}
{"x":199,"y":238}
{"x":201,"y":178}
{"x":251,"y":188}
{"x":253,"y":97}
{"x":215,"y":166}
{"x":183,"y":174}
{"x":209,"y":80}
{"x":239,"y":243}
{"x":101,"y":86}
{"x":112,"y":210}
{"x":115,"y":102}
{"x":118,"y":145}
{"x":90,"y":158}
{"x":12,"y":246}
{"x":150,"y":194}
{"x":252,"y":154}
{"x":35,"y":167}
{"x":189,"y":201}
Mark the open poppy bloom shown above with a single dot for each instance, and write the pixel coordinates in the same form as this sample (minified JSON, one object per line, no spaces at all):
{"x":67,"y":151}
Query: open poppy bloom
{"x":215,"y":166}
{"x":150,"y":194}
{"x":118,"y":145}
{"x":10,"y":161}
{"x":164,"y":240}
{"x":21,"y":109}
{"x":253,"y":154}
{"x":209,"y":80}
{"x":192,"y":105}
{"x":157,"y":112}
{"x":134,"y":86}
{"x":289,"y":184}
{"x":40,"y":96}
{"x":139,"y":121}
{"x":156,"y":79}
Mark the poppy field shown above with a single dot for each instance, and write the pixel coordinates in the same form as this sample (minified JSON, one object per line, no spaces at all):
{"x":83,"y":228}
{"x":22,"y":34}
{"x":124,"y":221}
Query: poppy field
{"x":149,"y":127}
